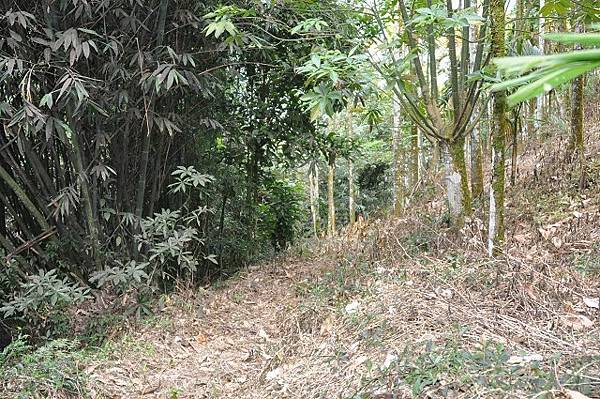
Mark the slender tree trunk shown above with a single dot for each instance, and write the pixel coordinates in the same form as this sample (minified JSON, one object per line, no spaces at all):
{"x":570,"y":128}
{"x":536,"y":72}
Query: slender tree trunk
{"x":398,"y":184}
{"x":514,"y":134}
{"x":457,"y":178}
{"x":531,"y":112}
{"x":539,"y":114}
{"x":222,"y":226}
{"x":453,"y":184}
{"x":313,"y":185}
{"x":351,"y":187}
{"x":331,"y":230}
{"x":24,"y":199}
{"x":476,"y":164}
{"x":497,"y":187}
{"x":415,"y":153}
{"x":141,"y":189}
{"x":432,"y":61}
{"x":82,"y":178}
{"x":351,"y":193}
{"x":577,"y":108}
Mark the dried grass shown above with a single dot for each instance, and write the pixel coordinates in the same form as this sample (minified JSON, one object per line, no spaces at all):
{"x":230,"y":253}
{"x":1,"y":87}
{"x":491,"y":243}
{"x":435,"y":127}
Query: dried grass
{"x":282,"y":330}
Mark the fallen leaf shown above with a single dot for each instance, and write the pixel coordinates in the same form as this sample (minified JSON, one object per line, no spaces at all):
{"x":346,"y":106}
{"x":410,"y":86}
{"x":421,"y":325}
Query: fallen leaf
{"x":273,"y":374}
{"x":352,"y":307}
{"x":545,"y":233}
{"x":327,"y":325}
{"x":389,"y":359}
{"x":557,"y":242}
{"x":577,"y":321}
{"x":525,"y":359}
{"x":360,"y":360}
{"x":592,"y":302}
{"x":575,"y":395}
{"x":522,"y":238}
{"x":263,"y":334}
{"x":530,"y":292}
{"x":201,"y":338}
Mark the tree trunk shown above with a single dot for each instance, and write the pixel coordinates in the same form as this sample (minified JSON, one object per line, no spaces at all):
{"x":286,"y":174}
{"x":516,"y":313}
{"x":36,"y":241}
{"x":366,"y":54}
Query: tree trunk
{"x":497,"y":187}
{"x":415,"y":154}
{"x":141,"y":189}
{"x":330,"y":200}
{"x":313,"y":186}
{"x":351,"y":188}
{"x":539,"y":110}
{"x":20,"y":193}
{"x":476,"y":164}
{"x":453,"y":184}
{"x":351,"y":193}
{"x":82,"y":179}
{"x":398,"y":184}
{"x":459,"y":174}
{"x":577,"y":108}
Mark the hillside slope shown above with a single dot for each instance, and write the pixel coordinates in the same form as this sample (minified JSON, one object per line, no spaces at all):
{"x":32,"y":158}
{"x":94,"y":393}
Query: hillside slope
{"x":395,"y":310}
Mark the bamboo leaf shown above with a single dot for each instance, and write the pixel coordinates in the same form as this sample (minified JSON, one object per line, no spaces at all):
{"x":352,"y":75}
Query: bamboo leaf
{"x":558,"y":77}
{"x":588,"y":39}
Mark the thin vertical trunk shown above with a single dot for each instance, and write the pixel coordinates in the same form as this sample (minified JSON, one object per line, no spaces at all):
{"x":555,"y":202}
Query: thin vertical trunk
{"x":459,"y":175}
{"x":476,"y":164}
{"x":24,"y":199}
{"x":415,"y":154}
{"x":497,"y":187}
{"x":123,"y":188}
{"x":577,"y":108}
{"x":539,"y":112}
{"x":92,"y":227}
{"x":453,"y":184}
{"x":330,"y":199}
{"x":464,"y":56}
{"x":222,"y":226}
{"x":454,"y":81}
{"x":398,"y":184}
{"x":432,"y":62}
{"x":351,"y":193}
{"x":141,"y":188}
{"x":516,"y":123}
{"x":313,"y":186}
{"x":531,"y":113}
{"x":351,"y":188}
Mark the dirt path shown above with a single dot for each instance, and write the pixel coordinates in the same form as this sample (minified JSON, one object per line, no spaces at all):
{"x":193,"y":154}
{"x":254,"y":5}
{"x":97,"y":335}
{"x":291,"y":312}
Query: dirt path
{"x":337,"y":329}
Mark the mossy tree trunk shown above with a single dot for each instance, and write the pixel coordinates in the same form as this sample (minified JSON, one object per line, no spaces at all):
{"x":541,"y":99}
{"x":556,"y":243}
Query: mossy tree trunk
{"x":457,"y":153}
{"x":499,"y":127}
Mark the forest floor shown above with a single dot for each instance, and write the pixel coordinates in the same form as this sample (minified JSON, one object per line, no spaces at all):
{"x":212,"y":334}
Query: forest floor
{"x":393,"y":310}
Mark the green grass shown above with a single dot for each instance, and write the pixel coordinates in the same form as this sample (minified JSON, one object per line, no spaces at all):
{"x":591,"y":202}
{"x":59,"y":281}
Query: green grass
{"x":448,"y":368}
{"x":51,"y":370}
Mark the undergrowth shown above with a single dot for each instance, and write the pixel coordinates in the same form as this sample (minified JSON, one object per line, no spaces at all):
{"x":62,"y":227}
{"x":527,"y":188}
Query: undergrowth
{"x":52,"y":370}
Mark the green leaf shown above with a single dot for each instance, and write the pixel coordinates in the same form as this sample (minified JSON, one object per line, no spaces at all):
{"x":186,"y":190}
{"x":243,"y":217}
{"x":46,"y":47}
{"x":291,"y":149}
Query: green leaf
{"x":587,"y":39}
{"x":558,"y":77}
{"x":47,"y":100}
